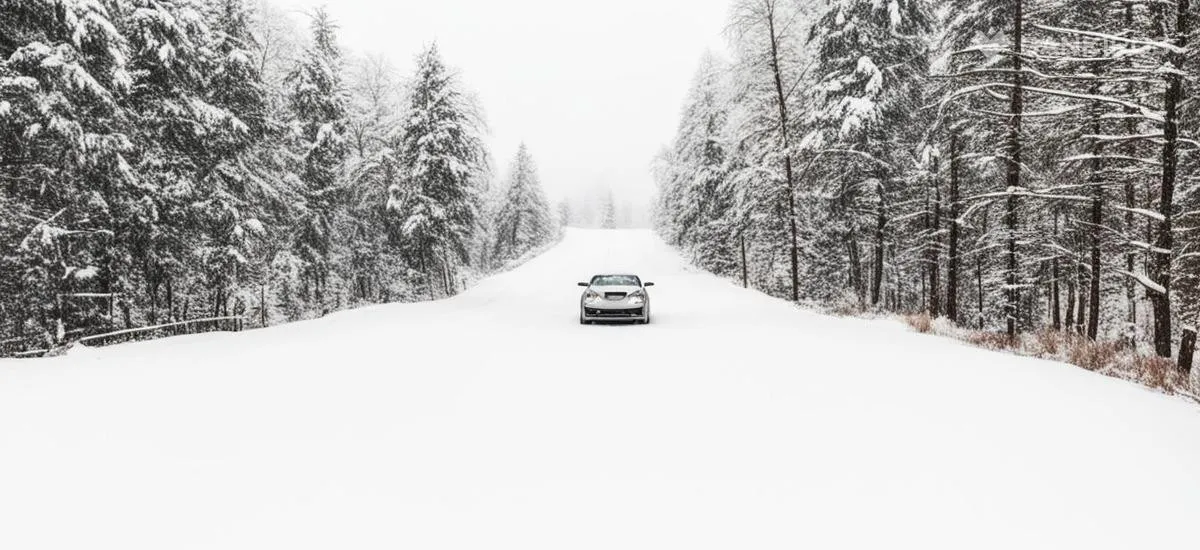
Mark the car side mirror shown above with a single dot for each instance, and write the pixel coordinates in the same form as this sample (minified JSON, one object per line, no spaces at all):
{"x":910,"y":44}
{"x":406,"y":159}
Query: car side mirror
{"x":648,"y":285}
{"x":584,"y":284}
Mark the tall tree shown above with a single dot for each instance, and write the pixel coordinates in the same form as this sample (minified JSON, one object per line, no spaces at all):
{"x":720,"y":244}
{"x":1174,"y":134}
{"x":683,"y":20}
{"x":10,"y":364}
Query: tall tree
{"x":318,"y":100}
{"x":871,"y":61}
{"x":608,"y":211}
{"x":524,"y":221}
{"x":1163,"y":256}
{"x":764,"y":27}
{"x":63,"y":73}
{"x":437,"y":206}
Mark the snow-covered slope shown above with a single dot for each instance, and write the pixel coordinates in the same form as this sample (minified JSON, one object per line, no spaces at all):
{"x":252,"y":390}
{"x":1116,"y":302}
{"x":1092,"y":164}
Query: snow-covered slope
{"x":494,"y":420}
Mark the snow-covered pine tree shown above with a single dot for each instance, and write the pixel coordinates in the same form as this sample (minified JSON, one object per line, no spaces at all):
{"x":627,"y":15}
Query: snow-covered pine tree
{"x":766,"y":45}
{"x":436,"y":207}
{"x":608,"y":211}
{"x":871,"y":62}
{"x":63,"y":70}
{"x":240,"y":188}
{"x":566,"y":217}
{"x":1002,"y":67}
{"x":372,"y":266}
{"x":697,"y":199}
{"x":192,"y":84}
{"x":524,"y":221}
{"x":318,"y":101}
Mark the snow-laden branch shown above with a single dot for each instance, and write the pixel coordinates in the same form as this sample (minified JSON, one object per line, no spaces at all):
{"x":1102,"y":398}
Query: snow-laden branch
{"x":1114,"y":38}
{"x":1081,"y":158}
{"x":1143,"y":212}
{"x":1023,"y":192}
{"x":1036,"y":114}
{"x":1148,"y":247}
{"x":986,"y":87}
{"x":1144,"y":281}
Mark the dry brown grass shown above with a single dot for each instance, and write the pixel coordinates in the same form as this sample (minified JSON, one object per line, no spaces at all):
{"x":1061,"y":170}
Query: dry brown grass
{"x":1115,"y":358}
{"x":992,"y":340}
{"x":1093,"y":356}
{"x":1159,"y":373}
{"x":921,"y":323}
{"x":1048,"y":343}
{"x":1153,"y":371}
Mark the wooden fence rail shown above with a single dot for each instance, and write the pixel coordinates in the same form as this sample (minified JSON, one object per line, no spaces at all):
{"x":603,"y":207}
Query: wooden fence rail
{"x":18,"y":348}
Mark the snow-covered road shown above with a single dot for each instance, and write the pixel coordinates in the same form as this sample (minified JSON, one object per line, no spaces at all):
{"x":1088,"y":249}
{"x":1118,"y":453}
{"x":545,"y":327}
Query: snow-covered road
{"x":494,"y":420}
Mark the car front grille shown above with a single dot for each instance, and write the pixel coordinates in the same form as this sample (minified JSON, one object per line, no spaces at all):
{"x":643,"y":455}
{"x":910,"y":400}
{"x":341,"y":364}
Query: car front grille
{"x":614,"y":295}
{"x":613,"y":313}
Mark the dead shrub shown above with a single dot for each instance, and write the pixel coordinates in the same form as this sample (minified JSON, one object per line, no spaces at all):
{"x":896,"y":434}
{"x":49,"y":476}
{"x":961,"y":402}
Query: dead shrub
{"x":992,"y":340}
{"x":847,"y":305}
{"x":922,"y":323}
{"x":1093,"y":356}
{"x":1159,"y":373}
{"x":1048,"y":343}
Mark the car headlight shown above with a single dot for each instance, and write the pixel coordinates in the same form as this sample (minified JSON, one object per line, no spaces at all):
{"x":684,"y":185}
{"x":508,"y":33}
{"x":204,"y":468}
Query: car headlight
{"x":637,"y":298}
{"x":591,"y":296}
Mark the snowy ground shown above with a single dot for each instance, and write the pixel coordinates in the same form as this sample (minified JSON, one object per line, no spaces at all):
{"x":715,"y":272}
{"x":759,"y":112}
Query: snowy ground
{"x":494,"y":420}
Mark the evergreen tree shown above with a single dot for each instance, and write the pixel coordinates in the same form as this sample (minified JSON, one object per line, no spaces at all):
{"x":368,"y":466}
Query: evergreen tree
{"x":608,"y":212}
{"x":861,"y":116}
{"x":167,"y":160}
{"x":318,"y":99}
{"x":373,"y":268}
{"x":566,"y":217}
{"x":696,"y":183}
{"x":437,"y":205}
{"x":63,"y":72}
{"x":524,"y":221}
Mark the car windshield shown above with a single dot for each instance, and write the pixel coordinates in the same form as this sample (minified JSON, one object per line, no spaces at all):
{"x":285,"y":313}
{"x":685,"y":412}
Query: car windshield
{"x":615,"y":280}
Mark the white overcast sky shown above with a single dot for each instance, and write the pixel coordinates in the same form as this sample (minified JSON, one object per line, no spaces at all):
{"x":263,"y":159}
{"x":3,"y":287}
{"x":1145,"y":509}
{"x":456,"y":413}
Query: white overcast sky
{"x":593,"y":88}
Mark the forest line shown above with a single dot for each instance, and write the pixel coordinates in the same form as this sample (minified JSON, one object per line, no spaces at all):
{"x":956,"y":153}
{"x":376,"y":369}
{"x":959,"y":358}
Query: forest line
{"x":1013,"y":166}
{"x":169,"y":160}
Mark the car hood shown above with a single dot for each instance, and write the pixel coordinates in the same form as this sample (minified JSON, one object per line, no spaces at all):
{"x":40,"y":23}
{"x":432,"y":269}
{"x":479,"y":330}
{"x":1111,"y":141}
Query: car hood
{"x":626,"y":289}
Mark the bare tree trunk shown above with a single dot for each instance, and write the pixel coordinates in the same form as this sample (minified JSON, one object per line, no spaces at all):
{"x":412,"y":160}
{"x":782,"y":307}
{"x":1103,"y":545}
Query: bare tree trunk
{"x":1070,"y":322}
{"x":952,"y":260}
{"x":877,"y":264}
{"x":171,"y":299}
{"x":152,"y":290}
{"x":1014,"y":166}
{"x":745,"y":270}
{"x":979,"y":270}
{"x":1160,"y":263}
{"x":1081,"y":316}
{"x":856,"y":281}
{"x":1097,"y":221}
{"x":1187,"y":350}
{"x":425,"y":260}
{"x":1131,"y":150}
{"x":1055,"y":285}
{"x":935,"y":289}
{"x":784,"y":129}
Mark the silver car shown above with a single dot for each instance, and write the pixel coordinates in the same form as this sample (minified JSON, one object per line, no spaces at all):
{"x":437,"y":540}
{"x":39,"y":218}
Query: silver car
{"x":615,"y":298}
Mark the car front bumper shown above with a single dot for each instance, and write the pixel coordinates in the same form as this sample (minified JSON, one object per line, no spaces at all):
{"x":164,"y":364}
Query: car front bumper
{"x":613,"y":312}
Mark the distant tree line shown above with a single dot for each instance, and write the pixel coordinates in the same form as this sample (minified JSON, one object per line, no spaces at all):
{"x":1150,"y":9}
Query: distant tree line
{"x":1011,"y":165}
{"x":164,"y":160}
